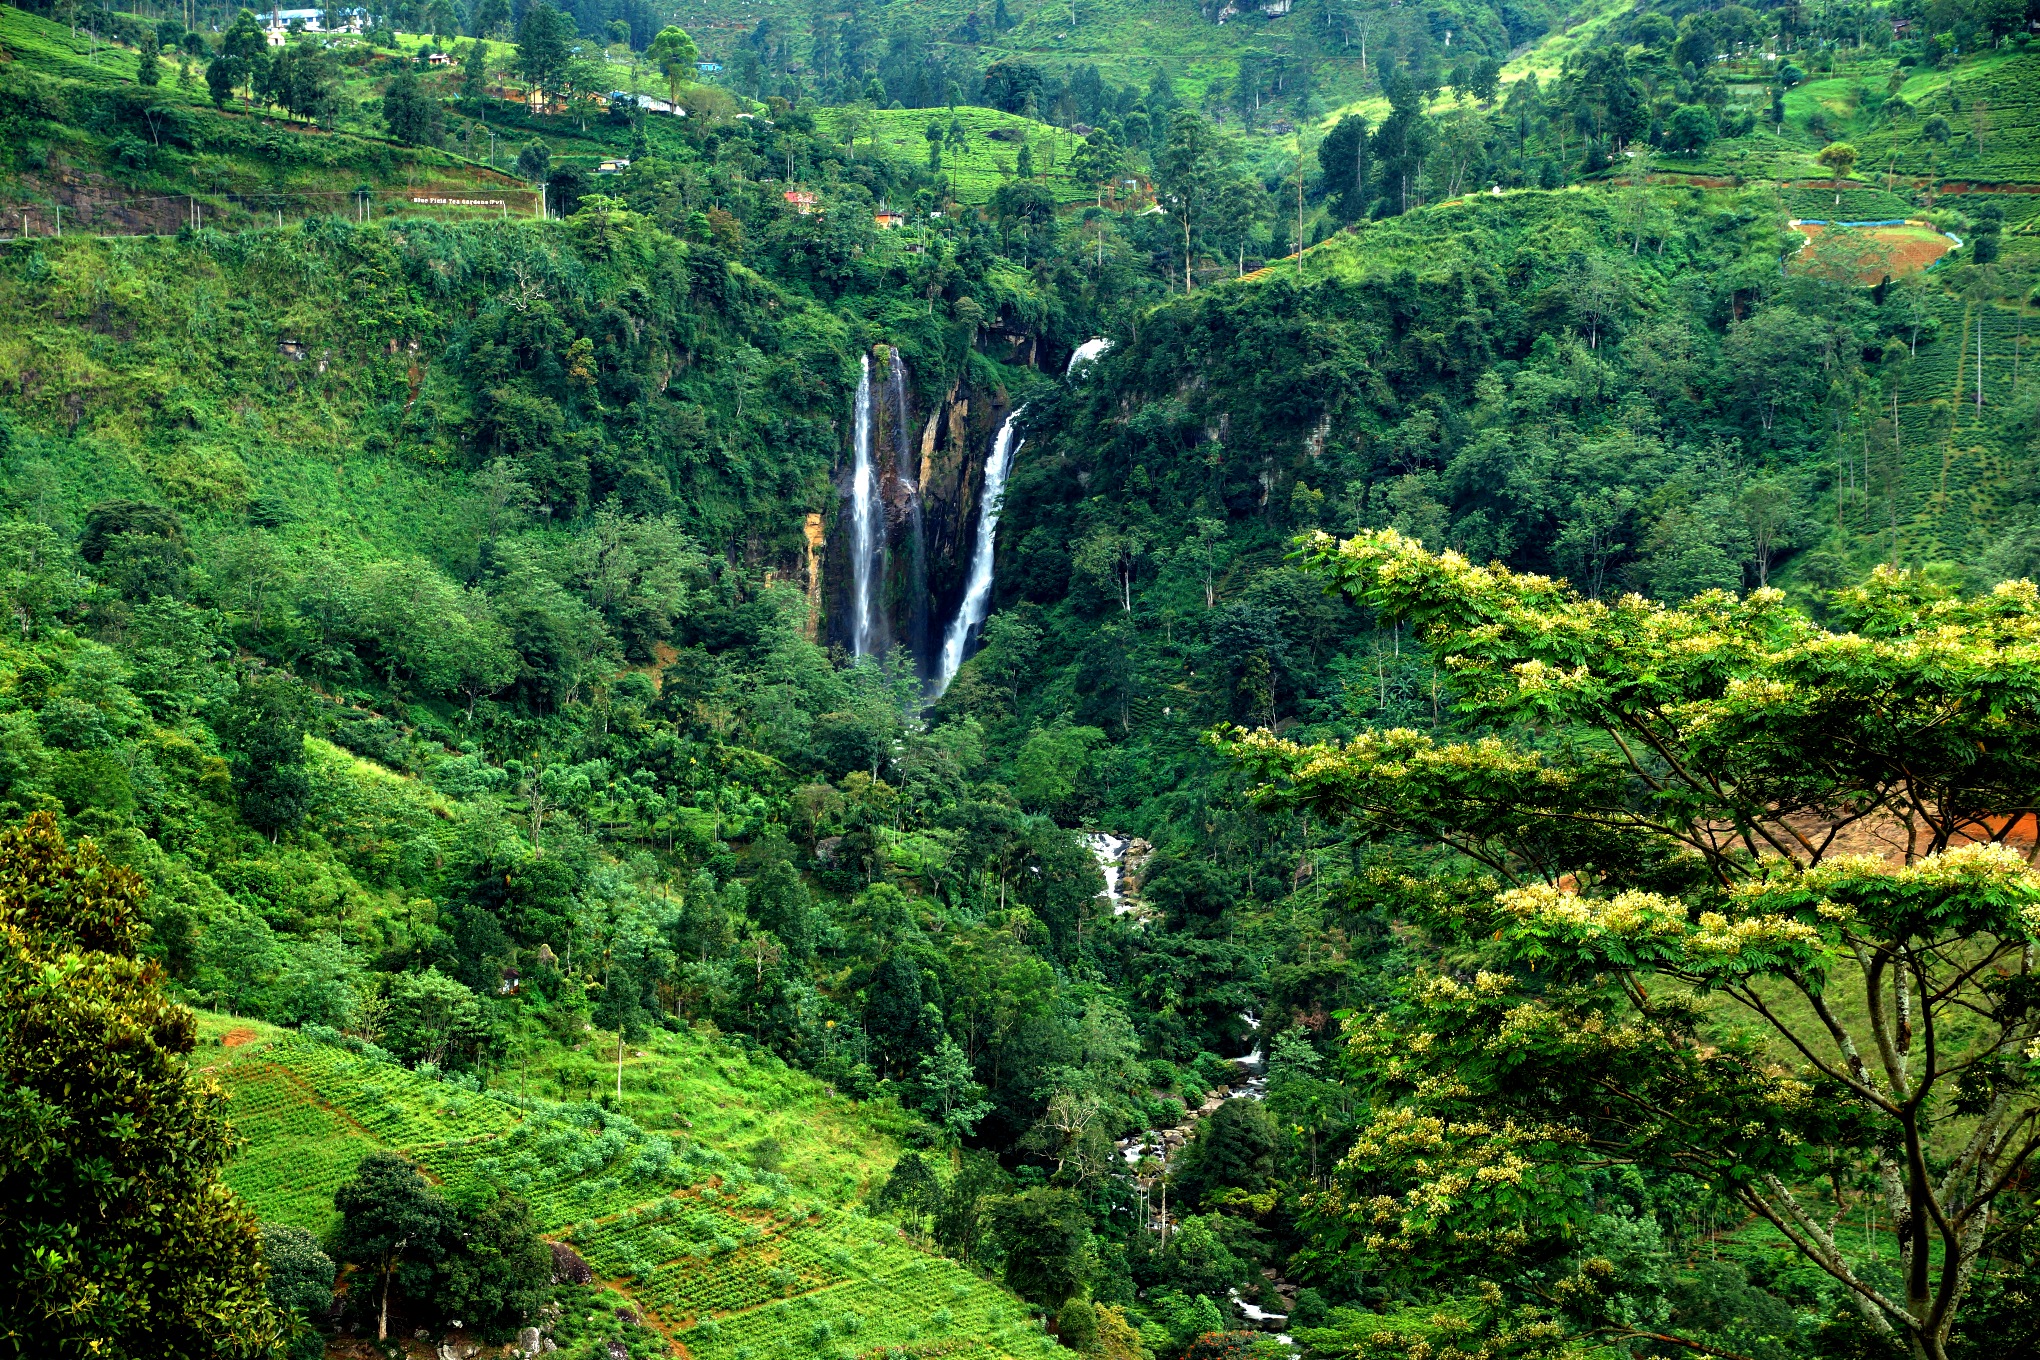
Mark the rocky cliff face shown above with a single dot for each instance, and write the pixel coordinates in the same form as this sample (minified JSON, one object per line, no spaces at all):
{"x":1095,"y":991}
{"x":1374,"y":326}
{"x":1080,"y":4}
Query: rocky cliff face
{"x":945,"y":434}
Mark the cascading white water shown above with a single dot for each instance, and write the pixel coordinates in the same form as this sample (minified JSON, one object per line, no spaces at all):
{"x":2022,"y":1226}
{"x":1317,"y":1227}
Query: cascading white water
{"x":1086,"y":353}
{"x":863,"y":522}
{"x":1110,"y":852}
{"x":977,"y":589}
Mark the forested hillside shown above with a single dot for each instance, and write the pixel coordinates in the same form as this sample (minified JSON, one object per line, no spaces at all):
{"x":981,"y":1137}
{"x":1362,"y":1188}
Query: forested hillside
{"x":1179,"y":680}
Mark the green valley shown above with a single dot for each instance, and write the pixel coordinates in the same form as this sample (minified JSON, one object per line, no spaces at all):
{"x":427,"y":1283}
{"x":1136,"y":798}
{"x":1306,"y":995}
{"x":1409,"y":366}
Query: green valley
{"x":1339,"y":680}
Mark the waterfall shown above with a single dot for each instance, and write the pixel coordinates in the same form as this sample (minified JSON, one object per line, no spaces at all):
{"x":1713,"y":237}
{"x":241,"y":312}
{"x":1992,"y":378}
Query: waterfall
{"x":864,"y":526}
{"x":1086,"y":353}
{"x":908,"y":470}
{"x":977,"y":590}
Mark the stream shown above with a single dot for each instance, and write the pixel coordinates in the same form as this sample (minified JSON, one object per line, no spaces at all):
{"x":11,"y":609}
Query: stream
{"x":1164,"y":1144}
{"x":1112,"y":854}
{"x":1118,"y":856}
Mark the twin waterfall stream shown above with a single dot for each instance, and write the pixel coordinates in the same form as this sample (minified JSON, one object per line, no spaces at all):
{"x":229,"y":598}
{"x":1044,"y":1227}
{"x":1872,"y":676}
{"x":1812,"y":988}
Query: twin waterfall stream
{"x":866,"y":526}
{"x":867,"y":513}
{"x":977,"y":588}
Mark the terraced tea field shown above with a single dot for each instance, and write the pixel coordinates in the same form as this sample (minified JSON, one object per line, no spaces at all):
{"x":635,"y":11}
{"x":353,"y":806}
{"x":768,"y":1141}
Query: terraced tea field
{"x":988,"y":156}
{"x":732,"y":1261}
{"x":1961,"y":465}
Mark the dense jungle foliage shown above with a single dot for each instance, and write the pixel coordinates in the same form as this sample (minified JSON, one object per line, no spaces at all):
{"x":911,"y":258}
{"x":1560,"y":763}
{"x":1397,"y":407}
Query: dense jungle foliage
{"x":415,"y":644}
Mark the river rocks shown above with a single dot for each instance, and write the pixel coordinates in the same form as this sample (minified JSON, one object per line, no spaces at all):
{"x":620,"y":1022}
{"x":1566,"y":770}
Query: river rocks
{"x":1120,"y":860}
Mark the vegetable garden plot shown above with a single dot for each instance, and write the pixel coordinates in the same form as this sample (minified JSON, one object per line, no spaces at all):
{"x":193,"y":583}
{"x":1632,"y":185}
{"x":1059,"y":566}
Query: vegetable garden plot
{"x":1893,"y":250}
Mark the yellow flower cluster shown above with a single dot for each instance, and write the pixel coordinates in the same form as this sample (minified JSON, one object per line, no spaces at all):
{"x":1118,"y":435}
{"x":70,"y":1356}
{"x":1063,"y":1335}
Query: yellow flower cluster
{"x":1760,"y":689}
{"x":1724,"y":938}
{"x":1968,"y":865}
{"x":1625,"y":915}
{"x":1978,"y":865}
{"x":1443,"y":988}
{"x":1534,"y":677}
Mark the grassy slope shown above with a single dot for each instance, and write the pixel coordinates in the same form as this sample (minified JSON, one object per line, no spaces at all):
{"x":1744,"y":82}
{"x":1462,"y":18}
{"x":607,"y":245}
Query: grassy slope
{"x":1580,"y":29}
{"x":977,"y":171}
{"x":1544,"y":57}
{"x":155,"y":335}
{"x":699,"y":1237}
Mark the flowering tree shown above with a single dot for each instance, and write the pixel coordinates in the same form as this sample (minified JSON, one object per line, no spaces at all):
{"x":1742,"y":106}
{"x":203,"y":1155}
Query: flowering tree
{"x":1732,"y":898}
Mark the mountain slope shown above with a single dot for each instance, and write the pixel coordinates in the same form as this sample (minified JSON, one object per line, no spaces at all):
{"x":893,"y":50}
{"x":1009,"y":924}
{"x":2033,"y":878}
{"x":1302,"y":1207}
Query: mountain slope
{"x":667,"y":1205}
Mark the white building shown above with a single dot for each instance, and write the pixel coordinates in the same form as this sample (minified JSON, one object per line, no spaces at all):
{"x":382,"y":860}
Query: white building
{"x":316,"y":20}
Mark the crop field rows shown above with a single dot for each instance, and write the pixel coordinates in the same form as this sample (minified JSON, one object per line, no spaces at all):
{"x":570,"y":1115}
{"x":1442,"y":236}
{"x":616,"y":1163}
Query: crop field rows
{"x":2003,"y":103}
{"x":693,"y":1259}
{"x":399,"y":1107}
{"x":721,"y":1256}
{"x":1957,"y":462}
{"x":926,"y":1307}
{"x":1857,"y":205}
{"x":2018,"y":208}
{"x":297,"y":1151}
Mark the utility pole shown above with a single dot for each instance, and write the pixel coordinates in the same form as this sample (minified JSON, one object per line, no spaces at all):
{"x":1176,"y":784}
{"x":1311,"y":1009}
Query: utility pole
{"x":1299,"y":206}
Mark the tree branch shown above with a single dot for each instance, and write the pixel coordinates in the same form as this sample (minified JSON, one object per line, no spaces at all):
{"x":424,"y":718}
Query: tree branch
{"x":1887,"y":1310}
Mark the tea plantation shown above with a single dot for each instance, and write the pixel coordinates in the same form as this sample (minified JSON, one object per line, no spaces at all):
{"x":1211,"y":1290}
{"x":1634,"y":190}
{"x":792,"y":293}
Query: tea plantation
{"x":733,"y":1261}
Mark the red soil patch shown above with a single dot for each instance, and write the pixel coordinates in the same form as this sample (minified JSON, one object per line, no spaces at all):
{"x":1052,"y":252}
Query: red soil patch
{"x":1896,"y":250}
{"x":2021,"y":834}
{"x":234,"y":1038}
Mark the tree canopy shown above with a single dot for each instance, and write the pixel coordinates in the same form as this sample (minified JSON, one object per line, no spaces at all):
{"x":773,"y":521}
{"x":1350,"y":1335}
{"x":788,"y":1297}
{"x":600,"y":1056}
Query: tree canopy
{"x":121,"y":1236}
{"x":1738,"y":902}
